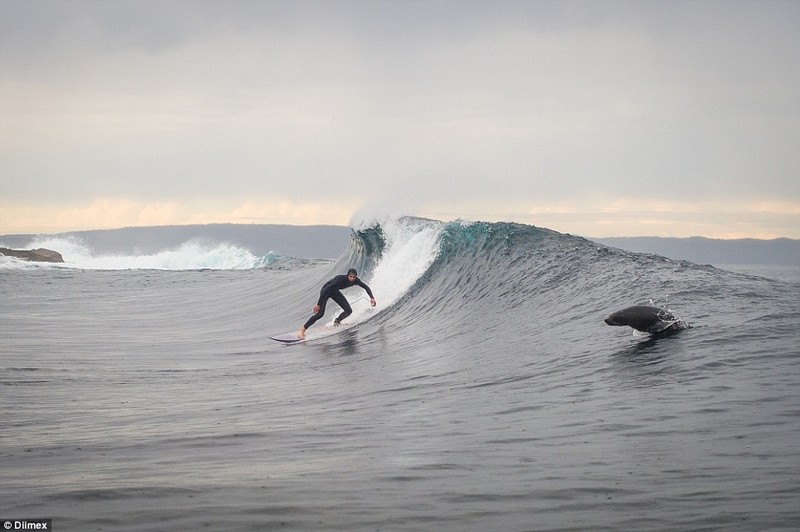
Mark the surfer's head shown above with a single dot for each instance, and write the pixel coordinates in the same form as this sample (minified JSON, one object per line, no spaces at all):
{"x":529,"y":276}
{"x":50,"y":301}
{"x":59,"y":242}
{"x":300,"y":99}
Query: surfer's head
{"x":352,"y":273}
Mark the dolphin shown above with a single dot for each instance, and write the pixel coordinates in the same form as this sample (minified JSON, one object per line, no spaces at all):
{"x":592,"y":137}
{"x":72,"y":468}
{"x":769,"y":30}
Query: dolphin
{"x":645,"y":318}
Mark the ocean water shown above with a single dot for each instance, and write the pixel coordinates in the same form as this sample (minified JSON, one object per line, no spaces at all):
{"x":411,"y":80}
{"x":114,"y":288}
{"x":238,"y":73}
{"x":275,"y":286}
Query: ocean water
{"x":484,"y":392}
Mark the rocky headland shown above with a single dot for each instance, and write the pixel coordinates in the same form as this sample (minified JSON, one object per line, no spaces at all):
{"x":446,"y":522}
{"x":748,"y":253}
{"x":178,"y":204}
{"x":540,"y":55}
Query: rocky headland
{"x":34,"y":255}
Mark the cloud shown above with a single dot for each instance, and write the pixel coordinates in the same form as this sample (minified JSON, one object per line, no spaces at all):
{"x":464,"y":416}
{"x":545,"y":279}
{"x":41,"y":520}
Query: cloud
{"x":107,"y":213}
{"x":110,"y":213}
{"x":639,"y":216}
{"x":626,"y":216}
{"x":279,"y":211}
{"x":645,"y":216}
{"x":461,"y":106}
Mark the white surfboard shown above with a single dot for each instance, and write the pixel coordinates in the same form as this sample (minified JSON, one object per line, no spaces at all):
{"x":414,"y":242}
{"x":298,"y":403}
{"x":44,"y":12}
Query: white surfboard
{"x":287,"y":338}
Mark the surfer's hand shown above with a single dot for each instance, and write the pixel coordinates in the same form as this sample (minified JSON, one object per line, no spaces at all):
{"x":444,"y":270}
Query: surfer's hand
{"x":316,"y":309}
{"x":373,"y":302}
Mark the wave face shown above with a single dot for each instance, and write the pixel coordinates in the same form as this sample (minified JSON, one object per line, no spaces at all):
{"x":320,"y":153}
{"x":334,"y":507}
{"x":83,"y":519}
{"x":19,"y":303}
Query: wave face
{"x":504,"y":277}
{"x":484,"y":392}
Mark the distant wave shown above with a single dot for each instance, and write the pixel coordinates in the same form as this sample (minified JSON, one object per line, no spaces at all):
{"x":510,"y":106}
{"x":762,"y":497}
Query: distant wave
{"x":192,"y":255}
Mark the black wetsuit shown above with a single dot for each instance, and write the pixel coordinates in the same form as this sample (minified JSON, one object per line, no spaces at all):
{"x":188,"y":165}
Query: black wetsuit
{"x":331,"y":290}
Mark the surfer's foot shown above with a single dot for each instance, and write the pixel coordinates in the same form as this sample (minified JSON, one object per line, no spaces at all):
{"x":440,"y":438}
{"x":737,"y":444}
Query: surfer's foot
{"x":301,"y":334}
{"x":336,"y":323}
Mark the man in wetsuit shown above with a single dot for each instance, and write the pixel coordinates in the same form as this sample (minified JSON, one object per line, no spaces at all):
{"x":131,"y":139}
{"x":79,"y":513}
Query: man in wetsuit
{"x":332,"y":290}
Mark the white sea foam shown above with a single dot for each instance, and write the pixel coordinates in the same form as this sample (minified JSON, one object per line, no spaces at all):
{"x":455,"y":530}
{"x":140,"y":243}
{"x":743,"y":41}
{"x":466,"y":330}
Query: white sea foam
{"x":411,"y":247}
{"x":192,"y":255}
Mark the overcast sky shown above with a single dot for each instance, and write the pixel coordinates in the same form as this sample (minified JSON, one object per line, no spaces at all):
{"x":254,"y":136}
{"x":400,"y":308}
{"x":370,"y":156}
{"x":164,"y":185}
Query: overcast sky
{"x":598,"y":118}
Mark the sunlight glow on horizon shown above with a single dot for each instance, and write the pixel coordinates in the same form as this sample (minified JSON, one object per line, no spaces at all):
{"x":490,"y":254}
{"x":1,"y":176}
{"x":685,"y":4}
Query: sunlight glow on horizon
{"x":628,"y":217}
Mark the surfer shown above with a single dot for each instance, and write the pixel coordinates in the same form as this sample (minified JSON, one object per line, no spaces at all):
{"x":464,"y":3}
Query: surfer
{"x":332,"y":290}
